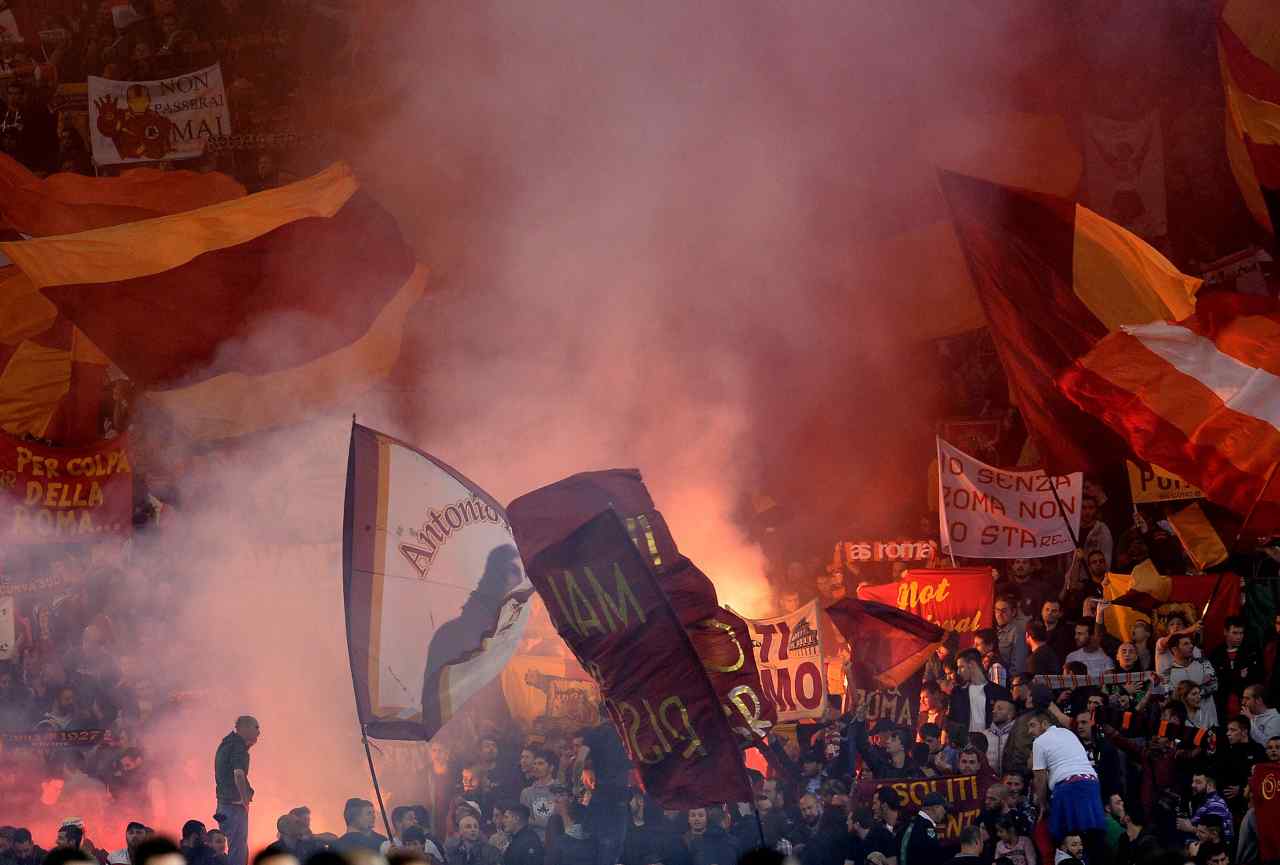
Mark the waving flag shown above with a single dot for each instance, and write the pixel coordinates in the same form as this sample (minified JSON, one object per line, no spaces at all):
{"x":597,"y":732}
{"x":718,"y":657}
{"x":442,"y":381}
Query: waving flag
{"x":1248,"y":33}
{"x":888,"y":644}
{"x":244,"y":315}
{"x":67,"y":203}
{"x":606,"y":603}
{"x":1054,"y":278}
{"x":1200,"y":397}
{"x":436,"y":597}
{"x":720,"y":637}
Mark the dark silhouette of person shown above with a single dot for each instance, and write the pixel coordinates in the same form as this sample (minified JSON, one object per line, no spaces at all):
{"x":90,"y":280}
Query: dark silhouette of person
{"x":464,"y":637}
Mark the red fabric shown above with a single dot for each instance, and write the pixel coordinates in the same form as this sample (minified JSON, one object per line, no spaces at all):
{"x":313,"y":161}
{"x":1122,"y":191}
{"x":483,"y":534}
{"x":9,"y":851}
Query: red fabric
{"x":1227,"y":454}
{"x":1264,"y":789}
{"x":287,"y":297}
{"x":655,"y":688}
{"x":1020,"y":246}
{"x":884,"y":640}
{"x":966,"y":597}
{"x":68,"y":203}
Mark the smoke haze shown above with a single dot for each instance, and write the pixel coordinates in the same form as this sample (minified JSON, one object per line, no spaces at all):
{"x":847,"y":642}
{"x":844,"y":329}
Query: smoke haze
{"x":656,"y":232}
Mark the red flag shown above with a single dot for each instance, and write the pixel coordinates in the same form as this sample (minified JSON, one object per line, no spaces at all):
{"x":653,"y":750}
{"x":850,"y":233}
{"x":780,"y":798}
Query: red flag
{"x":957,"y":599}
{"x":1199,"y":397}
{"x":1053,"y":278}
{"x":887,"y":643}
{"x":720,"y":637}
{"x":1250,"y":67}
{"x":607,"y":605}
{"x":1264,"y":790}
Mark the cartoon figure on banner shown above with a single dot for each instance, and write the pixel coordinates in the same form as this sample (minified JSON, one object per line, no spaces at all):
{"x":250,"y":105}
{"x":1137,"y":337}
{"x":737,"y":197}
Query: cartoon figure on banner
{"x":569,"y":701}
{"x":136,"y":129}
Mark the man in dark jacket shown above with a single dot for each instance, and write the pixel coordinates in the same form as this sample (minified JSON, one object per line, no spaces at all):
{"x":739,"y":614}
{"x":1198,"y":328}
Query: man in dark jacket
{"x":975,"y":694}
{"x":1237,"y":666}
{"x":1043,"y":660}
{"x":707,"y":842}
{"x":826,"y":831}
{"x":648,"y":838}
{"x":525,"y":848}
{"x":920,"y":844}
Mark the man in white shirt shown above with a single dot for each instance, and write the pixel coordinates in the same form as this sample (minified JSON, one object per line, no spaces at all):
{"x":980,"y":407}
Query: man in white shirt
{"x":1185,"y":667}
{"x":1065,"y":779}
{"x":134,"y":834}
{"x":1089,"y":649}
{"x":1264,"y":722}
{"x":971,"y":704}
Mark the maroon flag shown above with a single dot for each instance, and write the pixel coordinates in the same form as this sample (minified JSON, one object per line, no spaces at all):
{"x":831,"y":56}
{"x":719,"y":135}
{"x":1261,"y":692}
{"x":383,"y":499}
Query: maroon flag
{"x":606,"y":603}
{"x":888,"y":644}
{"x":720,"y":637}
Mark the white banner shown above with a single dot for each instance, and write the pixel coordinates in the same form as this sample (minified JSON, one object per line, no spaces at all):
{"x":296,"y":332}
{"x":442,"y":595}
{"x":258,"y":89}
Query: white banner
{"x":8,"y":636}
{"x":149,"y":121}
{"x":789,"y":654}
{"x":991,"y":513}
{"x":437,"y":597}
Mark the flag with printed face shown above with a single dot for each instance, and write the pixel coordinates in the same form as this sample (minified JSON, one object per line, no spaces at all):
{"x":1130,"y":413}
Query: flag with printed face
{"x":436,"y":595}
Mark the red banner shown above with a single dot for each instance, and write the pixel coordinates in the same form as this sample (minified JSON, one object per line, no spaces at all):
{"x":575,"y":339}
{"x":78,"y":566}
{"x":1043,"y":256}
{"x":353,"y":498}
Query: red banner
{"x":956,"y":599}
{"x":608,"y":607}
{"x":1264,"y":788}
{"x":964,"y":793}
{"x":64,"y":494}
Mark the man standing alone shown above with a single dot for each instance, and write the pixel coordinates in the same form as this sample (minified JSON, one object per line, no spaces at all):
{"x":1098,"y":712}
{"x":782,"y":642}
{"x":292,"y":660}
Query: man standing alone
{"x":231,"y":777}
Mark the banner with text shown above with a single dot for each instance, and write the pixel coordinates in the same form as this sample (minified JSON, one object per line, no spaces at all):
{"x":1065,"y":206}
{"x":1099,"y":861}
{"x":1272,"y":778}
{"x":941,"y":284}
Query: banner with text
{"x":955,"y":599}
{"x":964,"y":795}
{"x":52,"y":494}
{"x":991,"y":513}
{"x":150,"y":121}
{"x":1153,"y":484}
{"x":609,"y":609}
{"x":855,"y":552}
{"x":789,"y":654}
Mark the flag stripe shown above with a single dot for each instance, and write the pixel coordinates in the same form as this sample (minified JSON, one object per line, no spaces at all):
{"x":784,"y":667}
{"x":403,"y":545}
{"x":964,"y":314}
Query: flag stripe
{"x":1246,"y":389}
{"x":286,"y":297}
{"x":1250,"y":72}
{"x":140,"y":249}
{"x":234,"y":404}
{"x":1172,"y":419}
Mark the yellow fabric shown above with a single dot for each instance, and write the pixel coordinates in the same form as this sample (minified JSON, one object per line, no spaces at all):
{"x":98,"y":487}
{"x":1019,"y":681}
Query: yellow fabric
{"x":1119,"y":620}
{"x":1255,"y":22}
{"x":234,"y":404}
{"x":34,"y":380}
{"x":24,"y":311}
{"x":1198,"y":537}
{"x":1123,"y":279}
{"x":153,"y":246}
{"x":1256,"y":117}
{"x":84,"y":351}
{"x":1238,"y":155}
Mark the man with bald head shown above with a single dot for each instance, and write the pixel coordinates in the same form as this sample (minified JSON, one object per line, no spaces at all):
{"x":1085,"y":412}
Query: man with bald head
{"x":234,"y":793}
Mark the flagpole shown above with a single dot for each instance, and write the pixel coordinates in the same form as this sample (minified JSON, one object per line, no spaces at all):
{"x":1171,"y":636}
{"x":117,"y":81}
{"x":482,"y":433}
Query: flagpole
{"x":377,"y":790}
{"x":1253,"y":507}
{"x":1062,"y":512}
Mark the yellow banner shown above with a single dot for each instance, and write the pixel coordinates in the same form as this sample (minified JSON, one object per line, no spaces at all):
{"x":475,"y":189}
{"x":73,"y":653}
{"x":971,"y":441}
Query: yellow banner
{"x":1154,"y":484}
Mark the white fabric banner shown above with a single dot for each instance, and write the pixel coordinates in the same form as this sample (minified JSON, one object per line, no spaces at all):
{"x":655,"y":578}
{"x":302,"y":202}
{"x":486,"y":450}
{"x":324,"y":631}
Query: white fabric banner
{"x":789,"y":655}
{"x":150,"y":121}
{"x":991,"y":513}
{"x":437,"y":596}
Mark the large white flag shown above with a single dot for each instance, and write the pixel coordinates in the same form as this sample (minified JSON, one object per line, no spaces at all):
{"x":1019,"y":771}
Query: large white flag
{"x":436,"y":594}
